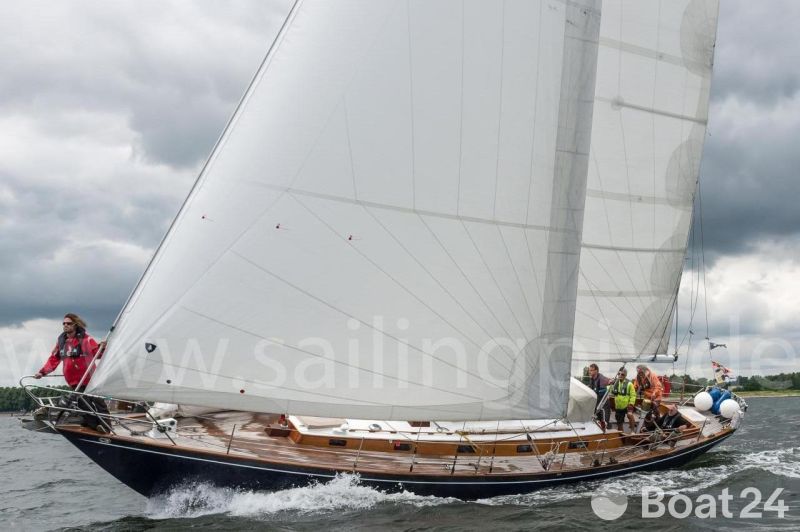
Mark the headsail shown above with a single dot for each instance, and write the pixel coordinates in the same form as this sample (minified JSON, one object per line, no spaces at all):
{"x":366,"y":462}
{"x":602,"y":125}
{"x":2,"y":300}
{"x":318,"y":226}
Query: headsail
{"x":389,"y":227}
{"x":650,"y":113}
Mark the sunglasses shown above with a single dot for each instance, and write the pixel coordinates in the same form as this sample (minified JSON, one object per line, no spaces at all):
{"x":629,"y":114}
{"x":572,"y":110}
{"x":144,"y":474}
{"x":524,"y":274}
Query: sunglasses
{"x":67,"y":323}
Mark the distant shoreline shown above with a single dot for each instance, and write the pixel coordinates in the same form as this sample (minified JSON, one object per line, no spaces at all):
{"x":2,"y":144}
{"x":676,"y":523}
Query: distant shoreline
{"x":793,"y":393}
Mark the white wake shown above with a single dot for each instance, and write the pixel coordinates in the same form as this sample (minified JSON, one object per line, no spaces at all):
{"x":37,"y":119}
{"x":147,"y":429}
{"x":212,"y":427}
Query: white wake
{"x":341,"y":493}
{"x":346,"y":493}
{"x":781,"y":462}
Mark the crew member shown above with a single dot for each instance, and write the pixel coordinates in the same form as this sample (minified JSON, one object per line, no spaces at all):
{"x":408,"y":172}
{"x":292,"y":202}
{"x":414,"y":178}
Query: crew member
{"x":624,"y":394}
{"x":77,"y":350}
{"x":648,"y":386}
{"x":599,"y":384}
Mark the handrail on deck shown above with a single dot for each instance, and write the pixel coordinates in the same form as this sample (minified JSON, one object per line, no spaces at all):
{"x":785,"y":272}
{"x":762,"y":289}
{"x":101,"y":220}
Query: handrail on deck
{"x":66,"y":408}
{"x":449,"y":458}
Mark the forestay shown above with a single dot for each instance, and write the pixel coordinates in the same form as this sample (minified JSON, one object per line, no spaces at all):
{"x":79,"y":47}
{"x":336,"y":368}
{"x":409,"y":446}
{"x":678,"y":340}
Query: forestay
{"x":389,"y":227}
{"x":650,"y":113}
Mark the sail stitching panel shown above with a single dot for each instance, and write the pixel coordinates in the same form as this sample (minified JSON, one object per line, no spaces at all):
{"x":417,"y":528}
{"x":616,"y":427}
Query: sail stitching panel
{"x":499,"y":108}
{"x":600,"y":311}
{"x":533,"y":123}
{"x":391,"y":277}
{"x":411,"y":114}
{"x":333,"y":307}
{"x":436,"y":280}
{"x":311,"y":353}
{"x":536,"y":326}
{"x":398,"y":208}
{"x":494,"y":279}
{"x":469,"y":282}
{"x":627,"y":168}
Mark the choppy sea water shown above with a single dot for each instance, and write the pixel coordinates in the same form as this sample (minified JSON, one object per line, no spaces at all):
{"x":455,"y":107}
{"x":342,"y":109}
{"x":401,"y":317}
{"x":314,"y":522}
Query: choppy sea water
{"x":46,"y":484}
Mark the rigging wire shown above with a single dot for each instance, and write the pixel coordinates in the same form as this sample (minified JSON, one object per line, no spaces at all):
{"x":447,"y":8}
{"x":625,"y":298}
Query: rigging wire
{"x":703,"y":257}
{"x":703,"y":270}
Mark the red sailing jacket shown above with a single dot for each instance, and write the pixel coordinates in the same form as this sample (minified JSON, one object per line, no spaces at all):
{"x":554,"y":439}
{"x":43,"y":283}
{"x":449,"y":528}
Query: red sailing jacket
{"x":74,"y":366}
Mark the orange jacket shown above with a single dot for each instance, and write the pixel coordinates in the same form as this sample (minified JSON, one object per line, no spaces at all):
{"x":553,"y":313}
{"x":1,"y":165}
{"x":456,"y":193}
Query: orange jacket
{"x":648,"y":386}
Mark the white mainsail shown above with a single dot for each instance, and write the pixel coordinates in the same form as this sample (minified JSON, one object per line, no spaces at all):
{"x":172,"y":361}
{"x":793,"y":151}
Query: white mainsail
{"x":650,"y":114}
{"x":389,"y":227}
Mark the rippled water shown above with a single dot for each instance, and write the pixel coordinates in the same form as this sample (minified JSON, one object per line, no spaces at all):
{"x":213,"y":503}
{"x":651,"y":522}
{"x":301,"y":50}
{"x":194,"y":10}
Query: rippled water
{"x":47,"y":484}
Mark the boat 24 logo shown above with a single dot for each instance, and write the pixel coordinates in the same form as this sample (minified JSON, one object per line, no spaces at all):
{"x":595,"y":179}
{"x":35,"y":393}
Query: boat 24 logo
{"x":656,"y":503}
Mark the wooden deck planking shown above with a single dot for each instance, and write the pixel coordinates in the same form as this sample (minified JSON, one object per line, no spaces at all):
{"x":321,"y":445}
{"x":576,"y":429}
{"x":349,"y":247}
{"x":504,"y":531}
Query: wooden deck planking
{"x":212,"y":435}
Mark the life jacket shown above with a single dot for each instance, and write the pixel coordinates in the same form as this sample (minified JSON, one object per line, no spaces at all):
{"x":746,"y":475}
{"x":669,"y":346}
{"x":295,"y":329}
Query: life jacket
{"x":619,"y":391}
{"x":71,"y":351}
{"x":621,"y":387}
{"x":648,"y":386}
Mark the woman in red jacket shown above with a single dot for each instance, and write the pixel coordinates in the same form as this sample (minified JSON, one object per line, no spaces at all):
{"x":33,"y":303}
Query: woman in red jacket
{"x":77,"y":350}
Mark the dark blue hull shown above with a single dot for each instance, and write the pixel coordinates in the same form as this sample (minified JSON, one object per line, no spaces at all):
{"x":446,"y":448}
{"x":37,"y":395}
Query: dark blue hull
{"x":150,"y":470}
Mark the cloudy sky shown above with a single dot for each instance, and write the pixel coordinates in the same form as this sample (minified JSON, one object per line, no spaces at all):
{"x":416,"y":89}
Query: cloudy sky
{"x":108,"y":110}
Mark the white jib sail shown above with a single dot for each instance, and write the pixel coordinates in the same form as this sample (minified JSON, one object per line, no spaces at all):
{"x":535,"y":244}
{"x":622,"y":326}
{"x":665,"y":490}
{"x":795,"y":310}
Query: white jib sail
{"x":388,"y":228}
{"x":650,"y":114}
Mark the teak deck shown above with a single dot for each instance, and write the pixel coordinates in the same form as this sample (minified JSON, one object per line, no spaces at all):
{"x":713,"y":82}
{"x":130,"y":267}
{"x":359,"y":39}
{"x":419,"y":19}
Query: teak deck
{"x":245,"y":435}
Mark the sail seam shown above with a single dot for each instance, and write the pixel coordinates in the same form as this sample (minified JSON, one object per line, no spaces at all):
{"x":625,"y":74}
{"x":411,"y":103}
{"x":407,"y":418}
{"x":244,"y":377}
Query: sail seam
{"x":442,"y":408}
{"x":411,"y":102}
{"x":245,"y":380}
{"x":611,"y":330}
{"x":651,"y":53}
{"x":499,"y":107}
{"x":607,"y":324}
{"x":653,"y":123}
{"x":349,"y":146}
{"x":494,"y":279}
{"x":533,"y":126}
{"x":623,"y":135}
{"x":612,"y":278}
{"x":426,"y":270}
{"x":539,"y":292}
{"x":401,"y":285}
{"x":311,"y":353}
{"x":469,"y":282}
{"x":398,"y":208}
{"x":461,"y":113}
{"x":519,"y":282}
{"x":345,"y":313}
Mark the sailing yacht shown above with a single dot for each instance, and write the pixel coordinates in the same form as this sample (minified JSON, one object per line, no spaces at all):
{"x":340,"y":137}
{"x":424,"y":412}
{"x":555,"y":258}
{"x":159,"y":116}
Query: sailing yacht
{"x":420,"y":220}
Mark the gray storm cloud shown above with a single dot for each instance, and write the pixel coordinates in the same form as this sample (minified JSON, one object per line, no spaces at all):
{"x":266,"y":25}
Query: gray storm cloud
{"x":108,"y":111}
{"x":749,"y":172}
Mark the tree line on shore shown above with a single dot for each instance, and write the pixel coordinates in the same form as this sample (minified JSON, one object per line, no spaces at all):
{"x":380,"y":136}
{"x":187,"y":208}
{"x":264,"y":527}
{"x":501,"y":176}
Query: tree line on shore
{"x":782,"y":381}
{"x":16,"y":399}
{"x":755,"y":383}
